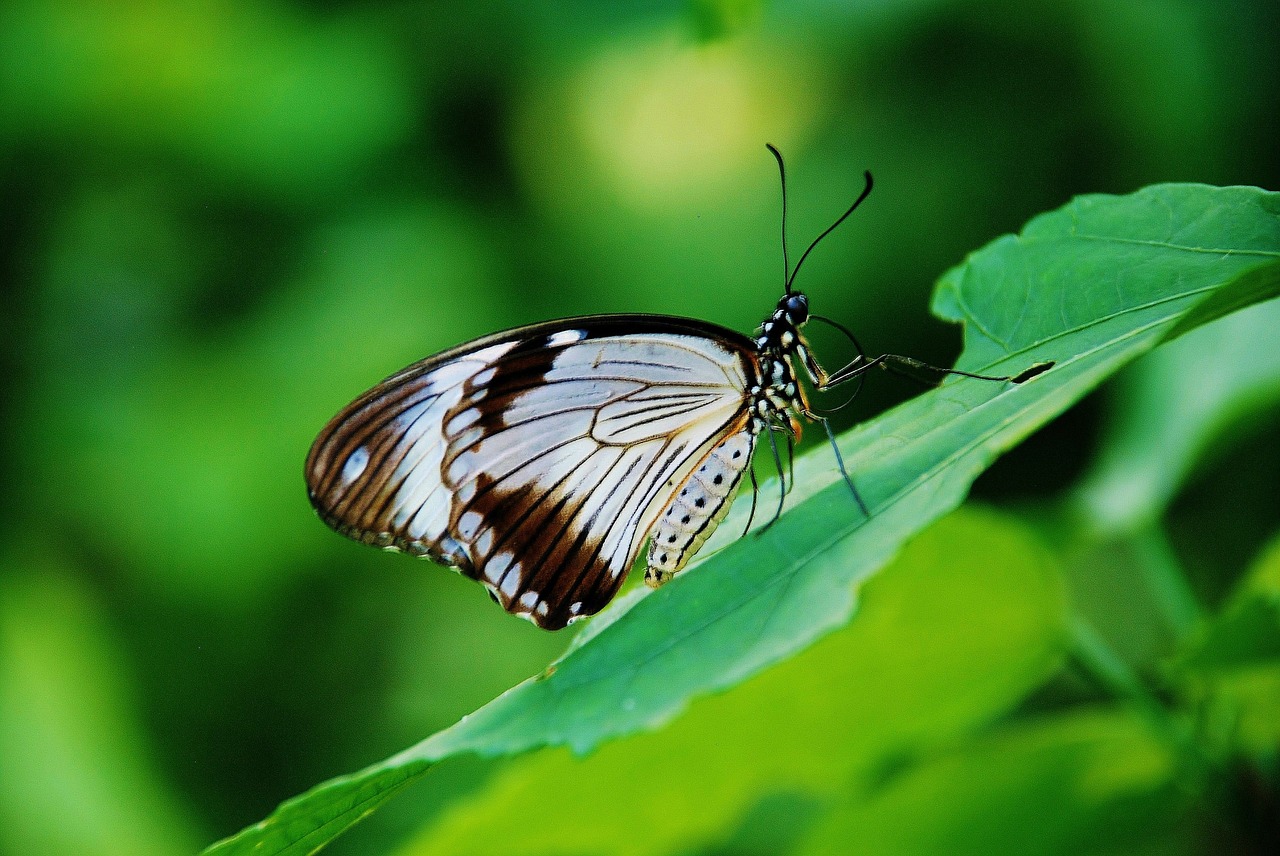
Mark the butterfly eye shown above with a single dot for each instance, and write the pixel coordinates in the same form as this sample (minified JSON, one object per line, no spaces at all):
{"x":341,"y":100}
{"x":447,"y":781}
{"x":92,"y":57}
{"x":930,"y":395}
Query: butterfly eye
{"x":797,"y":306}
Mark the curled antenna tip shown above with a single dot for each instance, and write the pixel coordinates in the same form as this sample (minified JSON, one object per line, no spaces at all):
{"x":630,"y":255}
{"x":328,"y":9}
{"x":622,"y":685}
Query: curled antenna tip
{"x":862,"y":196}
{"x":782,"y":177}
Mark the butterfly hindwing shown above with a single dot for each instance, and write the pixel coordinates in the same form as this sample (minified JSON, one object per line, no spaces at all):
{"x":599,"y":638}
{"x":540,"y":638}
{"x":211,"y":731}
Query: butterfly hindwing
{"x":535,"y":461}
{"x":692,"y":515}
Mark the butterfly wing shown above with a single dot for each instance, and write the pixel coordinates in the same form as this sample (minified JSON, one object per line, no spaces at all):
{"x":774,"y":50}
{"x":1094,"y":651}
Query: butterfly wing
{"x":697,"y":509}
{"x":537,"y":460}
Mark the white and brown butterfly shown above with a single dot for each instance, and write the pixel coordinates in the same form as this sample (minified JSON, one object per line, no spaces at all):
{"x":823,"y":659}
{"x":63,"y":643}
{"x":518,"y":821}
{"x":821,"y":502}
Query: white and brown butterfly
{"x":539,"y":460}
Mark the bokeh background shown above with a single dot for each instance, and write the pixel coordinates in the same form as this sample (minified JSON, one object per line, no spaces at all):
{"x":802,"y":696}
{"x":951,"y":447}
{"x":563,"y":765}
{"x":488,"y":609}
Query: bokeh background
{"x":219,"y":221}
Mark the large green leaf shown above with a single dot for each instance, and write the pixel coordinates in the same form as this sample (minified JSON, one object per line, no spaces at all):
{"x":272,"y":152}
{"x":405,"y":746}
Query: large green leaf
{"x":1089,"y":287}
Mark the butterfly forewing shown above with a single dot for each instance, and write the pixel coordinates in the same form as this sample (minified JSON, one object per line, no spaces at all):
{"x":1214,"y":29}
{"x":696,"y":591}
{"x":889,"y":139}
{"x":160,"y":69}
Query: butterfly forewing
{"x":536,"y":461}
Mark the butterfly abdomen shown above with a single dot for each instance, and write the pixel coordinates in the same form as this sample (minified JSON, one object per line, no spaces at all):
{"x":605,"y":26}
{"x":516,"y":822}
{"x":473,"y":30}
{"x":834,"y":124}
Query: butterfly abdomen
{"x":698,"y":507}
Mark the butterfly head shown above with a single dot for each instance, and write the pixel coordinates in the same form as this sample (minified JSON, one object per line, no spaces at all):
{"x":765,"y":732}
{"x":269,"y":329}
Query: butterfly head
{"x":780,"y":332}
{"x":794,"y":307}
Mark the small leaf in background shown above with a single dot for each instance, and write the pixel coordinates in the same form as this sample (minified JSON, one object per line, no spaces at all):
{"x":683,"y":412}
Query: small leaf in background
{"x":955,"y":632}
{"x":714,"y":20}
{"x":1076,"y":783}
{"x":1237,"y":657}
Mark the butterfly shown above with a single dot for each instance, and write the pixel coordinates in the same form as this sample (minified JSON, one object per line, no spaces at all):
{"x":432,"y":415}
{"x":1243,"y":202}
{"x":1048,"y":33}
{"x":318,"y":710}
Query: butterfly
{"x":539,"y":460}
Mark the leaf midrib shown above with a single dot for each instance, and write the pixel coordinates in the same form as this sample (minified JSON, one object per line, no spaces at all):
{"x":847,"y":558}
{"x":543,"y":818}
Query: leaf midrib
{"x":1099,"y":320}
{"x":1267,"y":254}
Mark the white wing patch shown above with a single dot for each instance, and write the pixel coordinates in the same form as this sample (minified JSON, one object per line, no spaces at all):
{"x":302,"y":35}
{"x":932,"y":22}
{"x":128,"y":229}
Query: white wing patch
{"x":356,"y":462}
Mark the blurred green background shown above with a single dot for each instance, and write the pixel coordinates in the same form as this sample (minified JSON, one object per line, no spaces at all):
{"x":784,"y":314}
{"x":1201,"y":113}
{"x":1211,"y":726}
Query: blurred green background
{"x":222,"y":220}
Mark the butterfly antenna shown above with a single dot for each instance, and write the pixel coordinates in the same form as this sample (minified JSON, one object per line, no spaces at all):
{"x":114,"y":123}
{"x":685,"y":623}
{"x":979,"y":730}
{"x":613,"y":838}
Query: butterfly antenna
{"x":865,"y":191}
{"x":782,"y":174}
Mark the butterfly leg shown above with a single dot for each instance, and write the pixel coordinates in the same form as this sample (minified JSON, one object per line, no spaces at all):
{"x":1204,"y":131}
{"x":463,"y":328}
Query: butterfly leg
{"x":791,"y":462}
{"x":782,"y":479}
{"x":755,"y":494}
{"x":835,"y":447}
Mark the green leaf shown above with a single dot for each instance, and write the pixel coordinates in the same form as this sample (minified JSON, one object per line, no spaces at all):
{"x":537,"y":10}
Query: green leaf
{"x":1247,"y":632}
{"x":1237,"y":656}
{"x":1089,"y":287}
{"x":967,"y":620}
{"x":1079,"y":782}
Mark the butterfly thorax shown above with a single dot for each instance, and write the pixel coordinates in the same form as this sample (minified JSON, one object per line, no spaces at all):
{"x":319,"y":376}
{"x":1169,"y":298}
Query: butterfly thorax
{"x":778,"y":397}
